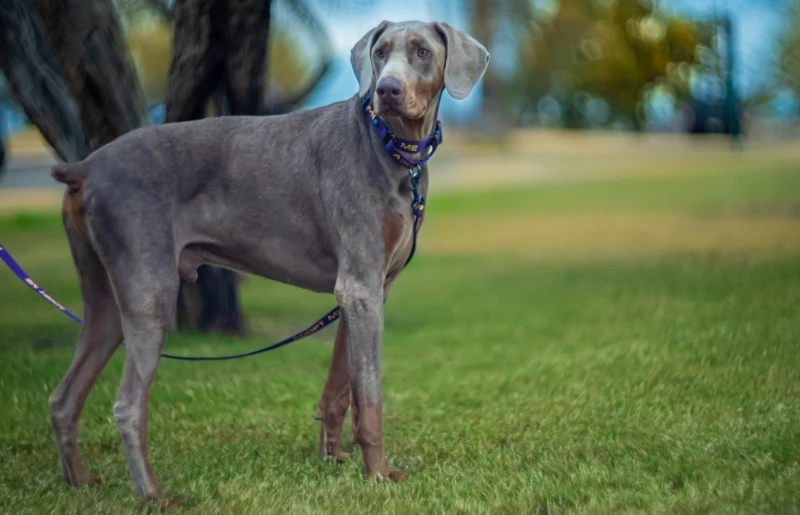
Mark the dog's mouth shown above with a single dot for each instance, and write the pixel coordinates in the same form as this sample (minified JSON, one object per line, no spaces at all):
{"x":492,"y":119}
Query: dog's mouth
{"x":393,"y":111}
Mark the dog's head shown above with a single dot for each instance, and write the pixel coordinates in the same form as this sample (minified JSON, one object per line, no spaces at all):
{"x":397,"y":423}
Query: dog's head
{"x":408,"y":63}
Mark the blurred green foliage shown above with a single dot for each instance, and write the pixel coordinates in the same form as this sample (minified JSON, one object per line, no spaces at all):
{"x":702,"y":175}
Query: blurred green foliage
{"x":599,"y":59}
{"x":790,"y":51}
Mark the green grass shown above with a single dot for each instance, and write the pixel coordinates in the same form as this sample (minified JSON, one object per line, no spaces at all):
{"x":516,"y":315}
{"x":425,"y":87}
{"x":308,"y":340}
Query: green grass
{"x":747,"y":188}
{"x":512,"y":384}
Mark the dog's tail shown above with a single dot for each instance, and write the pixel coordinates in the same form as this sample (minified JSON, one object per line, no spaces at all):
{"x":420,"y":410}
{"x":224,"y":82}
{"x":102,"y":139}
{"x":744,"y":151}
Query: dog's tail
{"x":71,"y":174}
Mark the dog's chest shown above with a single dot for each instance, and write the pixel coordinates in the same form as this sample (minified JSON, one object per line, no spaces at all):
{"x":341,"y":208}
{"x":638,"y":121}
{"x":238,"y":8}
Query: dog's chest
{"x":398,"y":238}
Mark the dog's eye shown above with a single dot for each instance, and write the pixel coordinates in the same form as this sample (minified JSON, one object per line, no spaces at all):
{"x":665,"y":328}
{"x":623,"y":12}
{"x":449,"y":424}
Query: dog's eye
{"x":379,"y":53}
{"x":422,"y":52}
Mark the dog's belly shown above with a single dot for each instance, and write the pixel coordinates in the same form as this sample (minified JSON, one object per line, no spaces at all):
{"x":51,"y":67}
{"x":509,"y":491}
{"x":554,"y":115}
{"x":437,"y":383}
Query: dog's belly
{"x":256,"y":225}
{"x":284,"y":262}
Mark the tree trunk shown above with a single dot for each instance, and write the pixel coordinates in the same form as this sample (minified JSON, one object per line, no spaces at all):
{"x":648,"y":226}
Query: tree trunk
{"x":219,"y":45}
{"x":246,"y":51}
{"x":197,"y":60}
{"x":88,"y":40}
{"x":67,"y":65}
{"x":36,"y":79}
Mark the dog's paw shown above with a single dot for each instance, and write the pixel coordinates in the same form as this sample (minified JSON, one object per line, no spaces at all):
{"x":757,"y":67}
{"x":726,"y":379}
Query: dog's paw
{"x":94,"y":481}
{"x":91,"y":481}
{"x":341,"y":456}
{"x":330,"y":449}
{"x":332,"y":453}
{"x":169,"y":504}
{"x":396,"y":476}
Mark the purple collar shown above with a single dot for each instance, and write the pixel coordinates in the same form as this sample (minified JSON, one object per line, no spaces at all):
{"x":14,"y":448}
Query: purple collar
{"x":396,"y":147}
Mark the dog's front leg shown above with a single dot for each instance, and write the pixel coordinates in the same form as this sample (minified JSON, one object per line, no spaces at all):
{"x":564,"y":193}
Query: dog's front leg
{"x":362,"y":309}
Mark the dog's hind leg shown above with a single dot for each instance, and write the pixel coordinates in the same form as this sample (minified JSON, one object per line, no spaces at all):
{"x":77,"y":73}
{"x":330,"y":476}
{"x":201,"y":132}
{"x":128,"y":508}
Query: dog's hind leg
{"x":100,"y":336}
{"x":147,"y":297}
{"x":335,"y":399}
{"x":144,"y":340}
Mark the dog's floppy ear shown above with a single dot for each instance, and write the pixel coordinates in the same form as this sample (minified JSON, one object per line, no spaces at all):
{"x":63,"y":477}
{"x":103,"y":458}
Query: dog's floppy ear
{"x":361,"y":57}
{"x":465,"y":63}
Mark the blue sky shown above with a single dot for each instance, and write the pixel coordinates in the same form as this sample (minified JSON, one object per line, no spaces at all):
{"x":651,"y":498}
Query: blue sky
{"x":757,"y":25}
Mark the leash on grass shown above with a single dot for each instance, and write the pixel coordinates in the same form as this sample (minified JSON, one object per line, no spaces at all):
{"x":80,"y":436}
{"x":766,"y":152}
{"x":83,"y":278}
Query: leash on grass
{"x":417,"y":205}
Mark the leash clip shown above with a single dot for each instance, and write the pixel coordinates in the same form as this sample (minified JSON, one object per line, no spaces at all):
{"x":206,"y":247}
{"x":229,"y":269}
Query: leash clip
{"x":414,"y":177}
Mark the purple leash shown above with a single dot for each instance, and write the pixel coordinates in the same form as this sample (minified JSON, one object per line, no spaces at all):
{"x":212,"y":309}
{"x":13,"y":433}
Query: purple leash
{"x":20,"y":273}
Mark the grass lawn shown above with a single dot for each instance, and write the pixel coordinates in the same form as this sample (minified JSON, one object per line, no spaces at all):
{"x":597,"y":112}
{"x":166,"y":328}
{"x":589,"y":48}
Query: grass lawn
{"x":628,"y":344}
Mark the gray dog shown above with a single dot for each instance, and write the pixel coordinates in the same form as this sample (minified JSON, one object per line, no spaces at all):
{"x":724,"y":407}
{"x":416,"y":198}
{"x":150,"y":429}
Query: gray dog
{"x":311,"y":199}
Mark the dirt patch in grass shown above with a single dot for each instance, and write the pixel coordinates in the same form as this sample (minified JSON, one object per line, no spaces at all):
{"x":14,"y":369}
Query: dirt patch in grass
{"x":19,"y":200}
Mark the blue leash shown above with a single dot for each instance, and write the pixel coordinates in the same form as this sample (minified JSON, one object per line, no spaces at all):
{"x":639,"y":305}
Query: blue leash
{"x":418,"y":206}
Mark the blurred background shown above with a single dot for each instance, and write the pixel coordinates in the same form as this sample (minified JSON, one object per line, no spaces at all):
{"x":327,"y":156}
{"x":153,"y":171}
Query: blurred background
{"x":576,"y":89}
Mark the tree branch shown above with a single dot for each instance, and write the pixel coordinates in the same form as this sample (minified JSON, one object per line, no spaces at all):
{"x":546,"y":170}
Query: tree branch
{"x":288,"y":102}
{"x":87,"y":39}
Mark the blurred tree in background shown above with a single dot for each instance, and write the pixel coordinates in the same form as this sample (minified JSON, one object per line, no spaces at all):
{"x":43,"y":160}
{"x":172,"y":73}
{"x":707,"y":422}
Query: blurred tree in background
{"x":486,"y":22}
{"x":149,"y":27}
{"x":790,"y":51}
{"x":593,"y":62}
{"x":67,"y":66}
{"x":585,"y":63}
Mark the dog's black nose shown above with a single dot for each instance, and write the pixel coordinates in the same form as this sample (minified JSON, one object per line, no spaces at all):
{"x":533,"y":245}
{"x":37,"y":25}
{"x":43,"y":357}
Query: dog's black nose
{"x":389,"y":89}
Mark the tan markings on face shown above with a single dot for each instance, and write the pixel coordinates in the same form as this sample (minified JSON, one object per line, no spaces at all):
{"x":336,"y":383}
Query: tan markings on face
{"x":422,"y":77}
